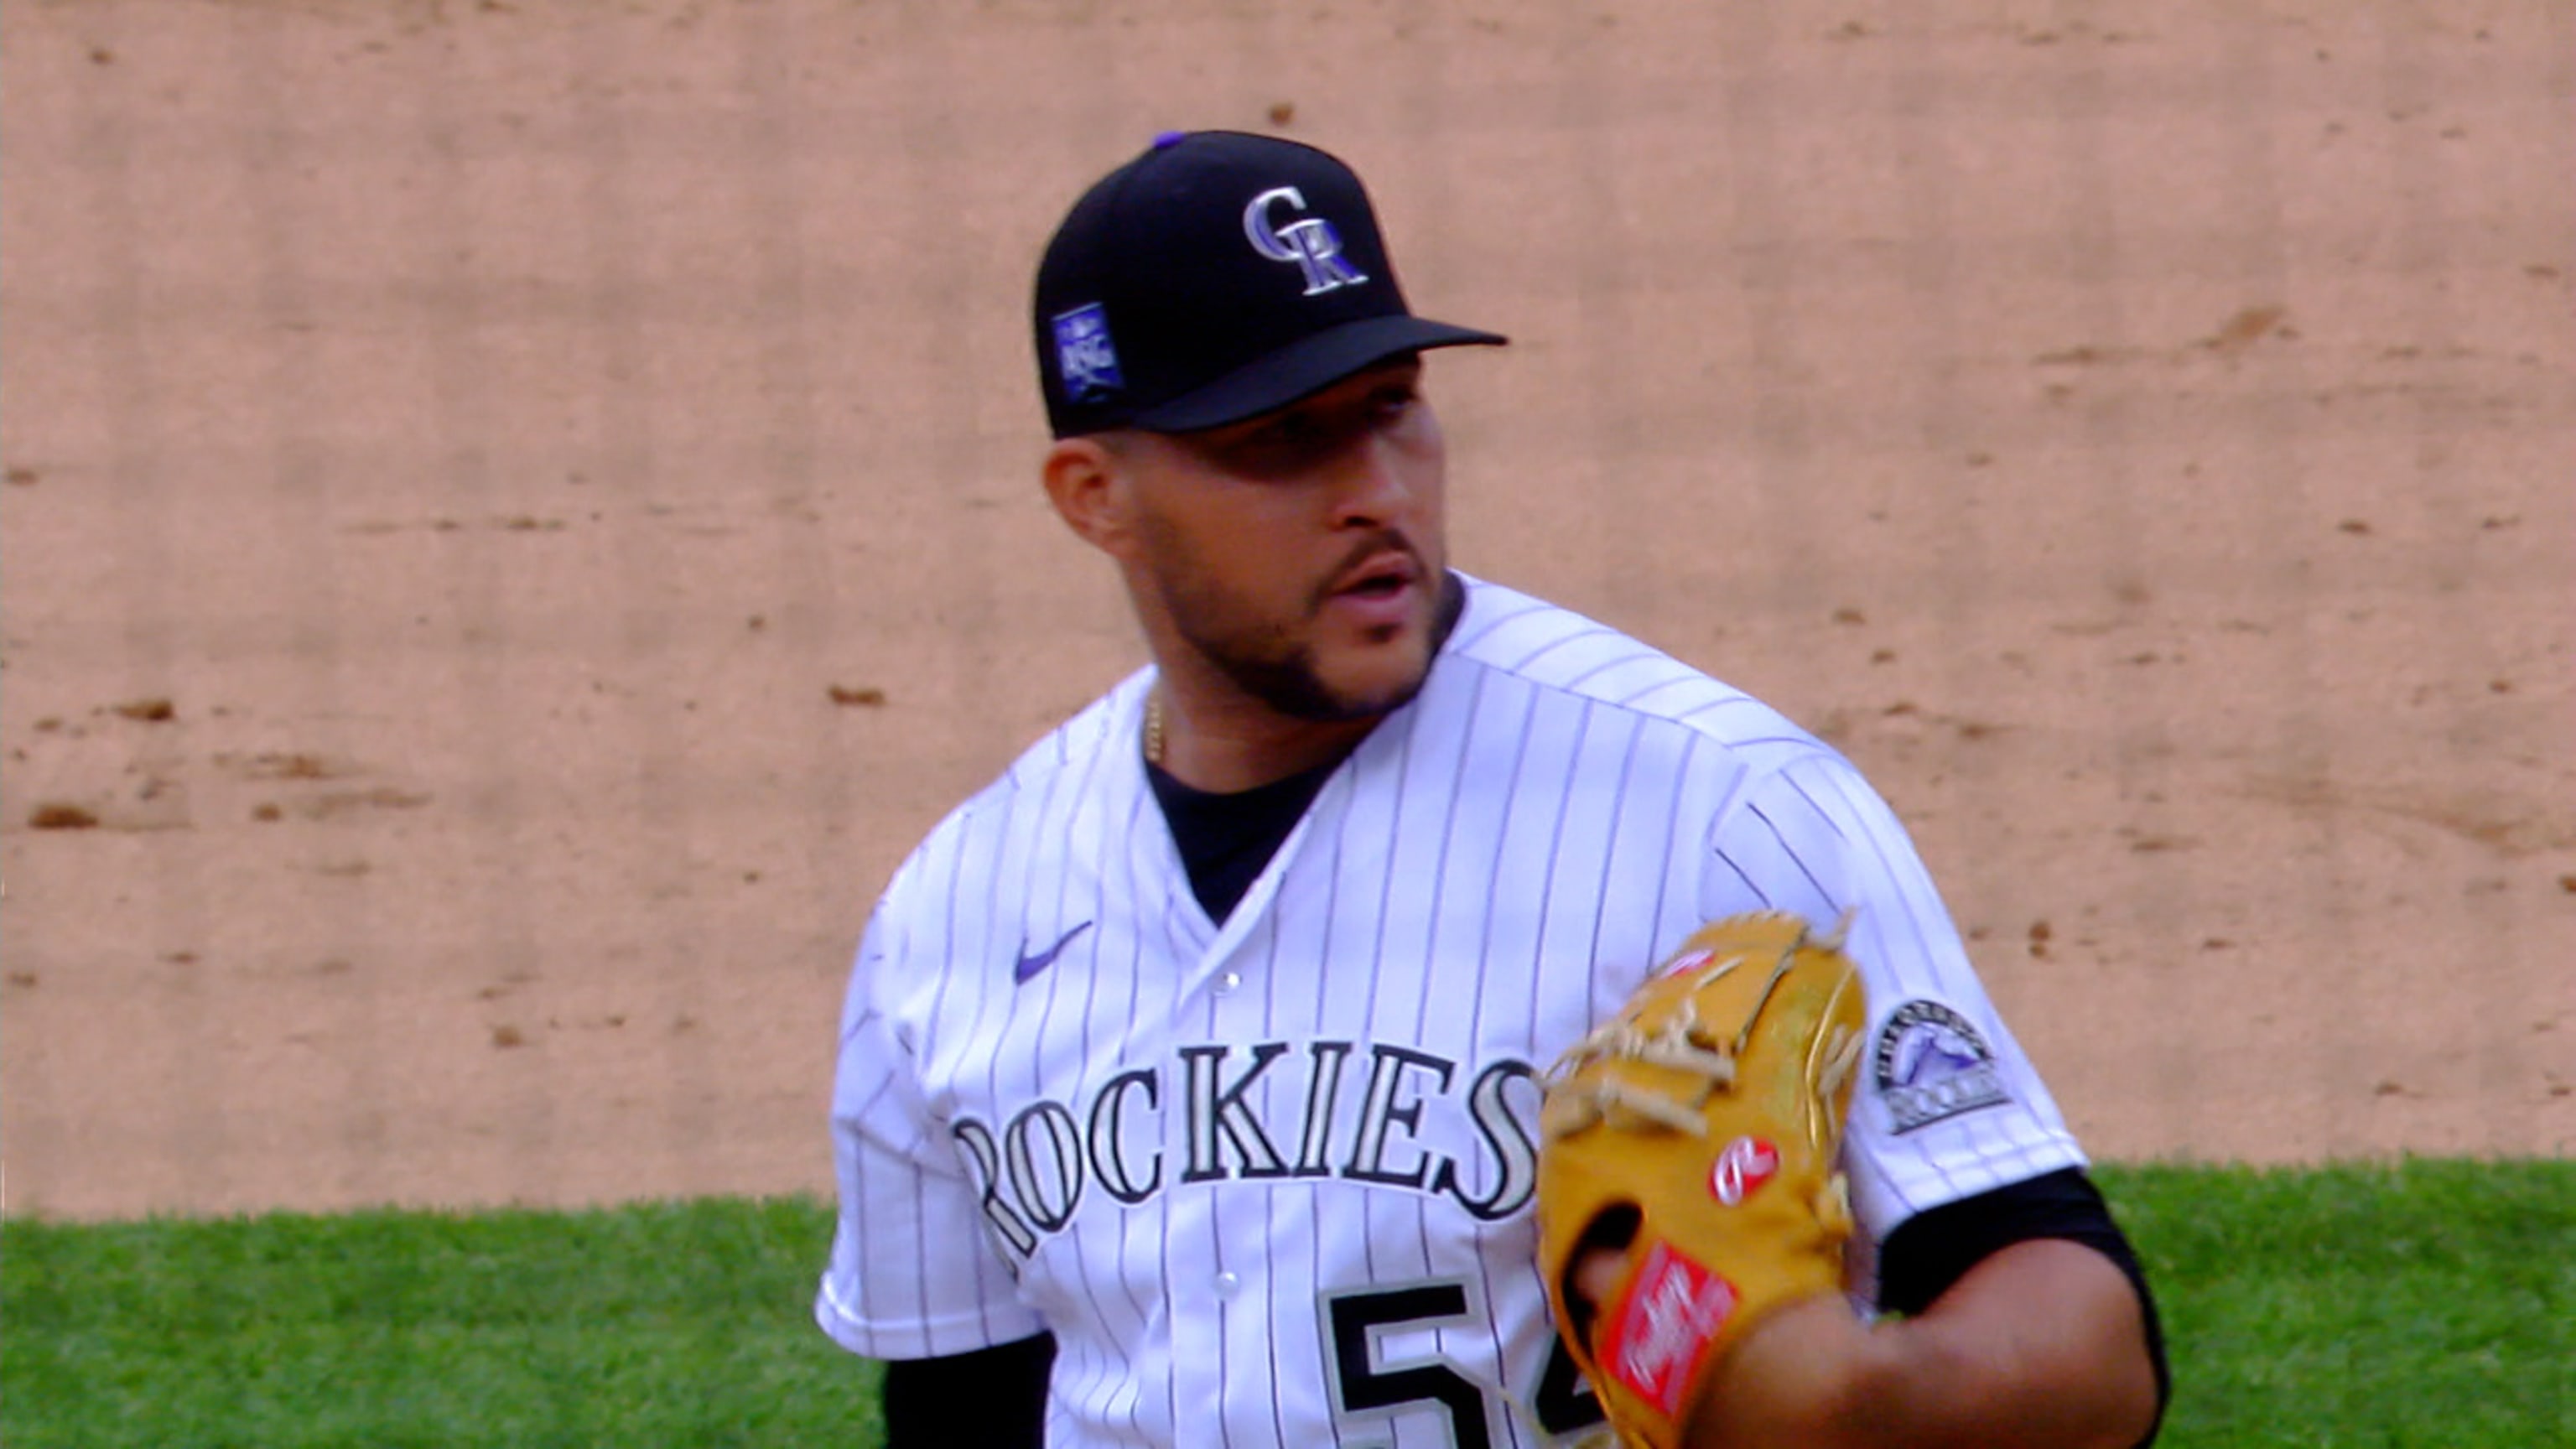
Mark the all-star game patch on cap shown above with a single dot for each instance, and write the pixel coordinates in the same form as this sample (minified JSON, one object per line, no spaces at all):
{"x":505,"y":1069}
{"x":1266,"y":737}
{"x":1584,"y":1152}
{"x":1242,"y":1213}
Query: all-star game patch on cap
{"x":1217,"y":276}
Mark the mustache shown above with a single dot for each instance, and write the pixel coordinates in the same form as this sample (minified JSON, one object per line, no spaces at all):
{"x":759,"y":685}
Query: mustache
{"x":1384,"y":541}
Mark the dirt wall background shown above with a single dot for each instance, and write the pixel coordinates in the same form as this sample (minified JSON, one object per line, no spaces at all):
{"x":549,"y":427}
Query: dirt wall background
{"x":518,"y":514}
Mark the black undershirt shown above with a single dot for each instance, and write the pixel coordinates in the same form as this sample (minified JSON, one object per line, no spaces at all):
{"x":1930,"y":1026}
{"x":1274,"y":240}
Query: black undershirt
{"x":1226,"y":840}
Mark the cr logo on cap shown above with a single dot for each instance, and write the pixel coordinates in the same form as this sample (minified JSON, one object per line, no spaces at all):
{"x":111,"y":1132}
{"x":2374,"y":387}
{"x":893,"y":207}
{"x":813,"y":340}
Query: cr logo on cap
{"x":1311,"y":243}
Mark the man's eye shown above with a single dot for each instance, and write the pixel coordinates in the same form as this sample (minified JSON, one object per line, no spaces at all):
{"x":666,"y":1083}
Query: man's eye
{"x":1296,"y":430}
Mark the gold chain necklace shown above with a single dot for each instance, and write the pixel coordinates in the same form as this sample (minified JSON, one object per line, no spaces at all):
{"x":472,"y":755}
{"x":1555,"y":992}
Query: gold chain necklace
{"x":1154,"y":728}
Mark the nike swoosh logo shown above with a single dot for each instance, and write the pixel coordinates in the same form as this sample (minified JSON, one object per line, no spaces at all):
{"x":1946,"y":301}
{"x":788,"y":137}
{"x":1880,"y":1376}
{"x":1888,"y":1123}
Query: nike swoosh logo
{"x":1029,"y":966}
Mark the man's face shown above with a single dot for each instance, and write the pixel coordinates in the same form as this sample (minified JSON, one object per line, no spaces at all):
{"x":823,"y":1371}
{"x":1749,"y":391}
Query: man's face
{"x":1301,"y":553}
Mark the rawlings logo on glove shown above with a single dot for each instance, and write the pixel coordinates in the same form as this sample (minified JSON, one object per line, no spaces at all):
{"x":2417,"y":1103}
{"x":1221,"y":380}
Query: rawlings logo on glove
{"x":1675,"y":1310}
{"x":1695,"y":1134}
{"x":1745,"y":1164}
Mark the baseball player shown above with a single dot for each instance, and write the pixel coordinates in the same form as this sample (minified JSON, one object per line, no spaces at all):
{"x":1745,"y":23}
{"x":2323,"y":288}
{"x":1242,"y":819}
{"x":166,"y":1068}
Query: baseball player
{"x":1189,"y":1080}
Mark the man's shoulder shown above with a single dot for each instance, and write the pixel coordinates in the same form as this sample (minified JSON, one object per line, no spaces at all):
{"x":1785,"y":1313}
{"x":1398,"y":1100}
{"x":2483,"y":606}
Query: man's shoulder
{"x":1551,"y":647}
{"x":1067,"y":760}
{"x":1082,"y":743}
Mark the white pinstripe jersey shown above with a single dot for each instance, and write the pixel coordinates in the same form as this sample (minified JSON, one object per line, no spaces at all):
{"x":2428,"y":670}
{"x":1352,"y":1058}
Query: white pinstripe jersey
{"x":1268,"y":1182}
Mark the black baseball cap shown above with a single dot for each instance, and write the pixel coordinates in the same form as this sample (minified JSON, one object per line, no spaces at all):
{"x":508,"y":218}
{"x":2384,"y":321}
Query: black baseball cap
{"x":1217,"y":276}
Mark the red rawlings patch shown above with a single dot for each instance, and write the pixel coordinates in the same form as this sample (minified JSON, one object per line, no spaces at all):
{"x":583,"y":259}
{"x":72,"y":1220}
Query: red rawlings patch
{"x":1658,"y":1337}
{"x":1742,"y":1165}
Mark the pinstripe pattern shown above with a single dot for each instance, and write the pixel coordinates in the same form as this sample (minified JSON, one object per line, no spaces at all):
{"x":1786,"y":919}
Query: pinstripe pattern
{"x":1264,"y":1164}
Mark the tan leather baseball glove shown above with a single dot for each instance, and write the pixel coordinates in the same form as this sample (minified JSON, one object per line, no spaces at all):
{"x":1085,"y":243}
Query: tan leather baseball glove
{"x":1696,"y":1134}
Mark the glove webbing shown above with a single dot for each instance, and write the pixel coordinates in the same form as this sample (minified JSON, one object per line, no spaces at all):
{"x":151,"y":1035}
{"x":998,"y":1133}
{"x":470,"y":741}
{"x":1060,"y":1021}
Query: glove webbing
{"x":1686,"y":1044}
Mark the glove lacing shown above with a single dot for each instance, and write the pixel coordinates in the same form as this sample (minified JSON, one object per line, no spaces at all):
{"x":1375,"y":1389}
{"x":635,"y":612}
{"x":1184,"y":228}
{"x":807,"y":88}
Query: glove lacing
{"x":1686,"y":1043}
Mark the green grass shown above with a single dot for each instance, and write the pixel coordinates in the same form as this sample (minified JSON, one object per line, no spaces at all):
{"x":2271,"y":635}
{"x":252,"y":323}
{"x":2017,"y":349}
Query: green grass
{"x":667,"y":1324}
{"x":2426,"y":1303}
{"x":2431,"y":1303}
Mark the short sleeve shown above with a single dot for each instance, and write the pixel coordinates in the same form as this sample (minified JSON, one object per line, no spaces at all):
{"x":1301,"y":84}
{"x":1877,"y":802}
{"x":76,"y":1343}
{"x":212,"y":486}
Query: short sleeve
{"x":1946,"y":1105}
{"x":912,"y":1274}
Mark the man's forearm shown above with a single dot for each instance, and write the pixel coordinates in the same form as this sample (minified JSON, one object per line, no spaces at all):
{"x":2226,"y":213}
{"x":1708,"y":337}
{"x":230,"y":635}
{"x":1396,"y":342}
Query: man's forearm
{"x":2040,"y":1346}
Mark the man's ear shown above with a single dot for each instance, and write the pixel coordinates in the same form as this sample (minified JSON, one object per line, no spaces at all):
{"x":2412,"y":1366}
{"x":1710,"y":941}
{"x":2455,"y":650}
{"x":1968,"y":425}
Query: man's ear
{"x":1084,"y":480}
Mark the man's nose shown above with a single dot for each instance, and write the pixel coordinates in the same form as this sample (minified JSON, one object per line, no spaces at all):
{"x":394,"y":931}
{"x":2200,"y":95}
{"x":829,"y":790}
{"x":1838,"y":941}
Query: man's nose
{"x":1370,"y":486}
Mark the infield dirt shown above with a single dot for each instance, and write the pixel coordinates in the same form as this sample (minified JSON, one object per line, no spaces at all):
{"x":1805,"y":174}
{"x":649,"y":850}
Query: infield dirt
{"x":516,"y":516}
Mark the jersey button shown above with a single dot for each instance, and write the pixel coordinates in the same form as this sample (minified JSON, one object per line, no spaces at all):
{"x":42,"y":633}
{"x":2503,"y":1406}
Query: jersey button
{"x":1227,"y":1285}
{"x":1226,"y":984}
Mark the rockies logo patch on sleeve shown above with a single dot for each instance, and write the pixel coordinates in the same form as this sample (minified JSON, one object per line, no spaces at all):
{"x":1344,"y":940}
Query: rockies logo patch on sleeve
{"x":1930,"y":1064}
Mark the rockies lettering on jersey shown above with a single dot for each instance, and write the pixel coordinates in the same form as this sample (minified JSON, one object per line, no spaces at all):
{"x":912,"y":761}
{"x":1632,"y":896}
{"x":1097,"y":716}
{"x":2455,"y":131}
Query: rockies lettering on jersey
{"x":1268,"y":1181}
{"x":1034,"y":1171}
